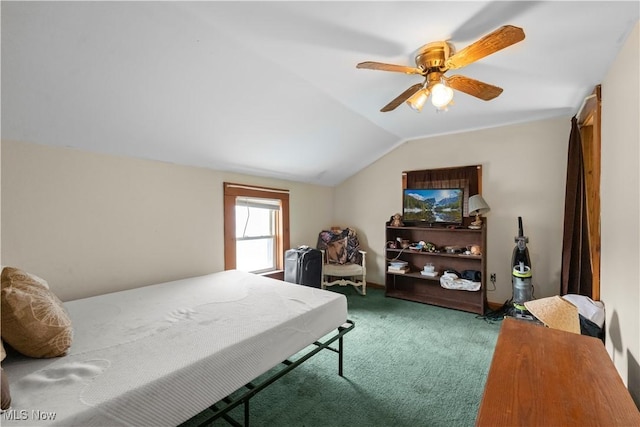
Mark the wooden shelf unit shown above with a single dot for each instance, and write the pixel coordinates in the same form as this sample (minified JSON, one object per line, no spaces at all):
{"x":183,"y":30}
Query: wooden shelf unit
{"x":414,"y":286}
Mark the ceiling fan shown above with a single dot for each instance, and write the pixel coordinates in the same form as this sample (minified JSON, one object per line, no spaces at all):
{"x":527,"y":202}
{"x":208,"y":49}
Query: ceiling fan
{"x":435,"y":59}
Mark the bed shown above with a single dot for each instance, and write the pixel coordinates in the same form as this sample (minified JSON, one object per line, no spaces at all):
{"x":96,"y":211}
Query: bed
{"x":160,"y":354}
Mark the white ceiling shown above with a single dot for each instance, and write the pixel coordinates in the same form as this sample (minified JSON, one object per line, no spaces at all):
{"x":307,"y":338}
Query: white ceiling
{"x":271,"y":88}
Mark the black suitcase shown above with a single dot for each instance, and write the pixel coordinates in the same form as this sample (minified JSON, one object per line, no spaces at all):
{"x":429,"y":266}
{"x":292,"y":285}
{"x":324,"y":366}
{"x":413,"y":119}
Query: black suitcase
{"x":303,"y":266}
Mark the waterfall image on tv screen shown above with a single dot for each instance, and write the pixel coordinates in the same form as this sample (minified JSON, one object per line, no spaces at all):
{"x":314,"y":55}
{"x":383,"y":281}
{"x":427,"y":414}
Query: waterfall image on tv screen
{"x":443,"y":205}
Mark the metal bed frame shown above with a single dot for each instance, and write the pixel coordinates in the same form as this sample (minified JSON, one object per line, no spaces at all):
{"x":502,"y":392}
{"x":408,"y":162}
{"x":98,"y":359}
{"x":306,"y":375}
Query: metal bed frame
{"x":243,"y":395}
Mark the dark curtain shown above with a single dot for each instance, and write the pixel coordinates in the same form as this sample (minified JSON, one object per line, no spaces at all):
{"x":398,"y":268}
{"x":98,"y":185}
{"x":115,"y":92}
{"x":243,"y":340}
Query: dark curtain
{"x":466,"y":177}
{"x":576,"y":275}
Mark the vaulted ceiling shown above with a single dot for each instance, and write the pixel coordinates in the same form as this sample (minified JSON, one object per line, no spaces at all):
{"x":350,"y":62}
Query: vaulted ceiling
{"x":271,"y":88}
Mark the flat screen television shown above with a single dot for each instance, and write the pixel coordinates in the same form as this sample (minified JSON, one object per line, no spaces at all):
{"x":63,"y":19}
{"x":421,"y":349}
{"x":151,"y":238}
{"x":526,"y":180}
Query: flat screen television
{"x":432,"y":206}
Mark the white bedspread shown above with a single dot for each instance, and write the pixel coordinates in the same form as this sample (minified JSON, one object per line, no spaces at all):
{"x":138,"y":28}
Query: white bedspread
{"x":160,"y":354}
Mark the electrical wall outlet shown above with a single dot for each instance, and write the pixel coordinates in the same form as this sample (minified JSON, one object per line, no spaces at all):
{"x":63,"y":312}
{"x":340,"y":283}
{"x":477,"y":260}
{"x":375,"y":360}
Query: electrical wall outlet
{"x":493,"y":277}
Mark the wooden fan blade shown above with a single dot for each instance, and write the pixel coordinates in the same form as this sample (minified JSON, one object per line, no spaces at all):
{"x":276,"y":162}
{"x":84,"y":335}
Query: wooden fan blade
{"x":473,"y":87}
{"x":389,"y":67}
{"x":401,"y":98}
{"x":499,"y":39}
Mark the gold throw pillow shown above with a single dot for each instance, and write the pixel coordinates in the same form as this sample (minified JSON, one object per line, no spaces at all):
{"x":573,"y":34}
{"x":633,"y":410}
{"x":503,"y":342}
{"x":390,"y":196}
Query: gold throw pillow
{"x":34,"y":321}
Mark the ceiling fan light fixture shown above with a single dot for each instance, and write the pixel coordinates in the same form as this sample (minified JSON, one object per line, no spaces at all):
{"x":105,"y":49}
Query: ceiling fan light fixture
{"x":417,"y":100}
{"x":435,"y":59}
{"x":441,"y":95}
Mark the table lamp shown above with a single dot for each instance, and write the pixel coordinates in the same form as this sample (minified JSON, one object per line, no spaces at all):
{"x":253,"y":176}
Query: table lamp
{"x":477,"y":207}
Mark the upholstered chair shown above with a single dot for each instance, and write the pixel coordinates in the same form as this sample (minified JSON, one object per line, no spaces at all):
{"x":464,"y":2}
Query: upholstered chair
{"x":344,"y":263}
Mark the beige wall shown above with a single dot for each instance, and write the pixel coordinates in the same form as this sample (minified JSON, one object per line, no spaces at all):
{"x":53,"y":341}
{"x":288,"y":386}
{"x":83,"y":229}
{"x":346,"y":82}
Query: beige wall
{"x":92,"y":223}
{"x":620,"y":275}
{"x":524,"y":173}
{"x":0,"y":202}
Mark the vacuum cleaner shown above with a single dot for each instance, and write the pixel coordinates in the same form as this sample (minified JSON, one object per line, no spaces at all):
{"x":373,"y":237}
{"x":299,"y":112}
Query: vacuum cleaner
{"x":522,"y":287}
{"x":521,"y":275}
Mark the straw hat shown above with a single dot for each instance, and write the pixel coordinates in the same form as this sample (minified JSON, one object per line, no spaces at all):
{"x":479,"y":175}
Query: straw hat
{"x":555,"y":312}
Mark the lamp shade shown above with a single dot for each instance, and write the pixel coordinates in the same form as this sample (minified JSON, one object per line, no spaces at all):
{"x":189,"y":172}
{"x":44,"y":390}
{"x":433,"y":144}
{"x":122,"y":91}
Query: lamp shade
{"x":477,"y":205}
{"x":441,"y":95}
{"x":418,"y":99}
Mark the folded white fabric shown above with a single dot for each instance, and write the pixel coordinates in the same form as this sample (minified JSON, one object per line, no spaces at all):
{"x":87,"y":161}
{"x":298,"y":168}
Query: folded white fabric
{"x":588,"y":308}
{"x":452,"y":281}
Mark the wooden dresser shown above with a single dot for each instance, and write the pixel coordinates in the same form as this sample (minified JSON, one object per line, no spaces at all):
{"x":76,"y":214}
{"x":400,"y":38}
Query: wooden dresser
{"x":546,"y":377}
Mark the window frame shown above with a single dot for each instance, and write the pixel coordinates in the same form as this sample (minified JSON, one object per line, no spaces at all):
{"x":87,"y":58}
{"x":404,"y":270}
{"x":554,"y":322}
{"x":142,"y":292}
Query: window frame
{"x":231,"y":192}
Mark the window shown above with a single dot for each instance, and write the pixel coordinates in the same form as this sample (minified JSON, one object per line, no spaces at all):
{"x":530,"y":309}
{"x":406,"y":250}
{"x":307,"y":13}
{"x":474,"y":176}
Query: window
{"x":256,"y":231}
{"x":256,"y":238}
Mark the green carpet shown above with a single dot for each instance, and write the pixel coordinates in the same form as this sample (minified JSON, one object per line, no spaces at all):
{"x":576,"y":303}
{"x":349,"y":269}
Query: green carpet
{"x":405,"y":364}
